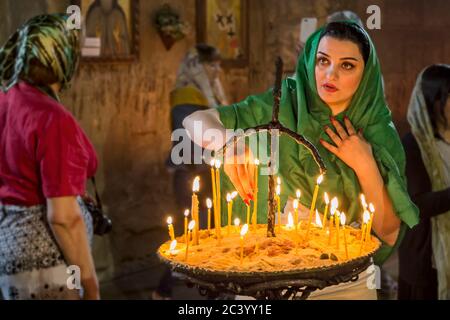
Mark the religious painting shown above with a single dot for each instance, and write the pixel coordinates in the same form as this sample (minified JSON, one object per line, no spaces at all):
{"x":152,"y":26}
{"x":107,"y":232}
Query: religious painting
{"x":110,"y":30}
{"x":223,"y":24}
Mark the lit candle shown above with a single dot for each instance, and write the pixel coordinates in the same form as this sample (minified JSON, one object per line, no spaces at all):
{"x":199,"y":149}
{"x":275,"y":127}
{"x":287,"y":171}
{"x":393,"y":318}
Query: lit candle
{"x":248,"y":213}
{"x":237,"y":222}
{"x":214,"y":194}
{"x":296,"y":214}
{"x":209,"y":206}
{"x":330,"y":224}
{"x":255,"y":196}
{"x":327,"y":202}
{"x":229,"y":200}
{"x":369,"y":228}
{"x":219,"y":204}
{"x":313,"y":204}
{"x":244,"y":231}
{"x":190,"y":228}
{"x":290,"y":223}
{"x":172,"y":248}
{"x":336,"y":223}
{"x":343,"y":218}
{"x":278,"y":192}
{"x":194,"y":209}
{"x":186,"y":215}
{"x":366,"y":218}
{"x":171,"y":231}
{"x":318,"y":221}
{"x":363,"y":201}
{"x":298,"y":194}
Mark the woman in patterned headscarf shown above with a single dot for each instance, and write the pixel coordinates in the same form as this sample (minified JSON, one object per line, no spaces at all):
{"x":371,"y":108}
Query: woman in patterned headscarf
{"x":45,"y":159}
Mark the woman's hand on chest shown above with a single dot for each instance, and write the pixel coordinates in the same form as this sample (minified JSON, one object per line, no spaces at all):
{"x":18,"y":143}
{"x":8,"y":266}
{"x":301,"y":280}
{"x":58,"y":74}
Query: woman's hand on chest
{"x":349,"y":145}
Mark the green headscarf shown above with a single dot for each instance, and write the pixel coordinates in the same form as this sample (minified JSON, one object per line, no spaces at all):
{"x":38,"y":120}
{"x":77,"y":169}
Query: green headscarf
{"x":45,"y":38}
{"x":424,"y":133}
{"x":302,"y":110}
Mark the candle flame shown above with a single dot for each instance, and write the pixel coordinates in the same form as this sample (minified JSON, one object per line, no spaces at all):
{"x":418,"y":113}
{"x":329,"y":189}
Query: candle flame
{"x":334,"y":203}
{"x":256,"y":162}
{"x":208,"y":203}
{"x":169,"y":220}
{"x":278,"y":180}
{"x":217,"y":164}
{"x":213,"y":161}
{"x":229,"y":197}
{"x":318,"y":220}
{"x":290,"y":223}
{"x":278,"y":190}
{"x":363,"y":200}
{"x":186,"y":213}
{"x":234,"y":194}
{"x":296,"y":204}
{"x":343,"y":218}
{"x":191,"y":225}
{"x":237,"y":222}
{"x":371,"y":208}
{"x":298,"y":193}
{"x":366,"y":216}
{"x":196,"y":184}
{"x":173,"y":245}
{"x":244,"y":230}
{"x":327,"y":200}
{"x":320,"y":179}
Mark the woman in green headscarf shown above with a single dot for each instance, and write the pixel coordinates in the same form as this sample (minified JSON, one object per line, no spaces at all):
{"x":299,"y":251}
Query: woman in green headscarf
{"x":45,"y":159}
{"x":336,"y":101}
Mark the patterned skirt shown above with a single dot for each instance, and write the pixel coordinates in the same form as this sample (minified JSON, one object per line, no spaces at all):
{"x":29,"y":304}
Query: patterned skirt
{"x":32,"y":265}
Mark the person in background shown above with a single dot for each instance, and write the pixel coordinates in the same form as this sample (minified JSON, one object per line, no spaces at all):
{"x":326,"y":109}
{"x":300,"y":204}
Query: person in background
{"x":424,"y":255}
{"x":45,"y":160}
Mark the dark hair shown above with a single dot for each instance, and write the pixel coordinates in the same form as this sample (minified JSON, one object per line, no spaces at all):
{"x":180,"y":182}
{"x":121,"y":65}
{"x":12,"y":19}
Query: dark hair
{"x":351,"y":32}
{"x":207,"y":53}
{"x":39,"y":75}
{"x":436,"y":88}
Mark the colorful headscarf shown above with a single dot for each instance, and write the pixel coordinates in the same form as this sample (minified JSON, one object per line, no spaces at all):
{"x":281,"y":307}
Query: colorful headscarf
{"x":45,"y":38}
{"x":303,"y":111}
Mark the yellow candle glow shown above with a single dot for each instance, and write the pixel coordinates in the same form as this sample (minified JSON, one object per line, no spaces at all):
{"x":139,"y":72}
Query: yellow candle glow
{"x":255,"y":196}
{"x":209,"y":206}
{"x":343,"y":219}
{"x":186,"y":215}
{"x":194,"y":209}
{"x":366,"y":218}
{"x":219,"y":203}
{"x":171,"y":231}
{"x":369,"y":227}
{"x":237,"y":222}
{"x":331,"y":224}
{"x":278,"y":199}
{"x":298,"y":193}
{"x":313,"y":204}
{"x":337,"y":223}
{"x":229,"y":200}
{"x":214,"y":194}
{"x":248,"y":213}
{"x":244,"y":231}
{"x":191,"y":226}
{"x":327,"y":202}
{"x":296,"y":214}
{"x":363,"y":201}
{"x":173,"y":246}
{"x":318,"y":221}
{"x":290,"y":223}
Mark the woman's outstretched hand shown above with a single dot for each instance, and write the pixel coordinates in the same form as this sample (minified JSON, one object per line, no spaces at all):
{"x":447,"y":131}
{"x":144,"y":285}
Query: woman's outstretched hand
{"x":349,"y":145}
{"x":240,"y":168}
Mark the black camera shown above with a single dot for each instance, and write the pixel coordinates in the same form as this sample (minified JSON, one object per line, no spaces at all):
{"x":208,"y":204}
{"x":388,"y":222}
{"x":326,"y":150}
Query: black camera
{"x":102,"y":223}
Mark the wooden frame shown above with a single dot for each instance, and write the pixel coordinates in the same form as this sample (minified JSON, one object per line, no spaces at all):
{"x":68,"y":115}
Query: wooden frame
{"x":131,"y":52}
{"x":235,"y":48}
